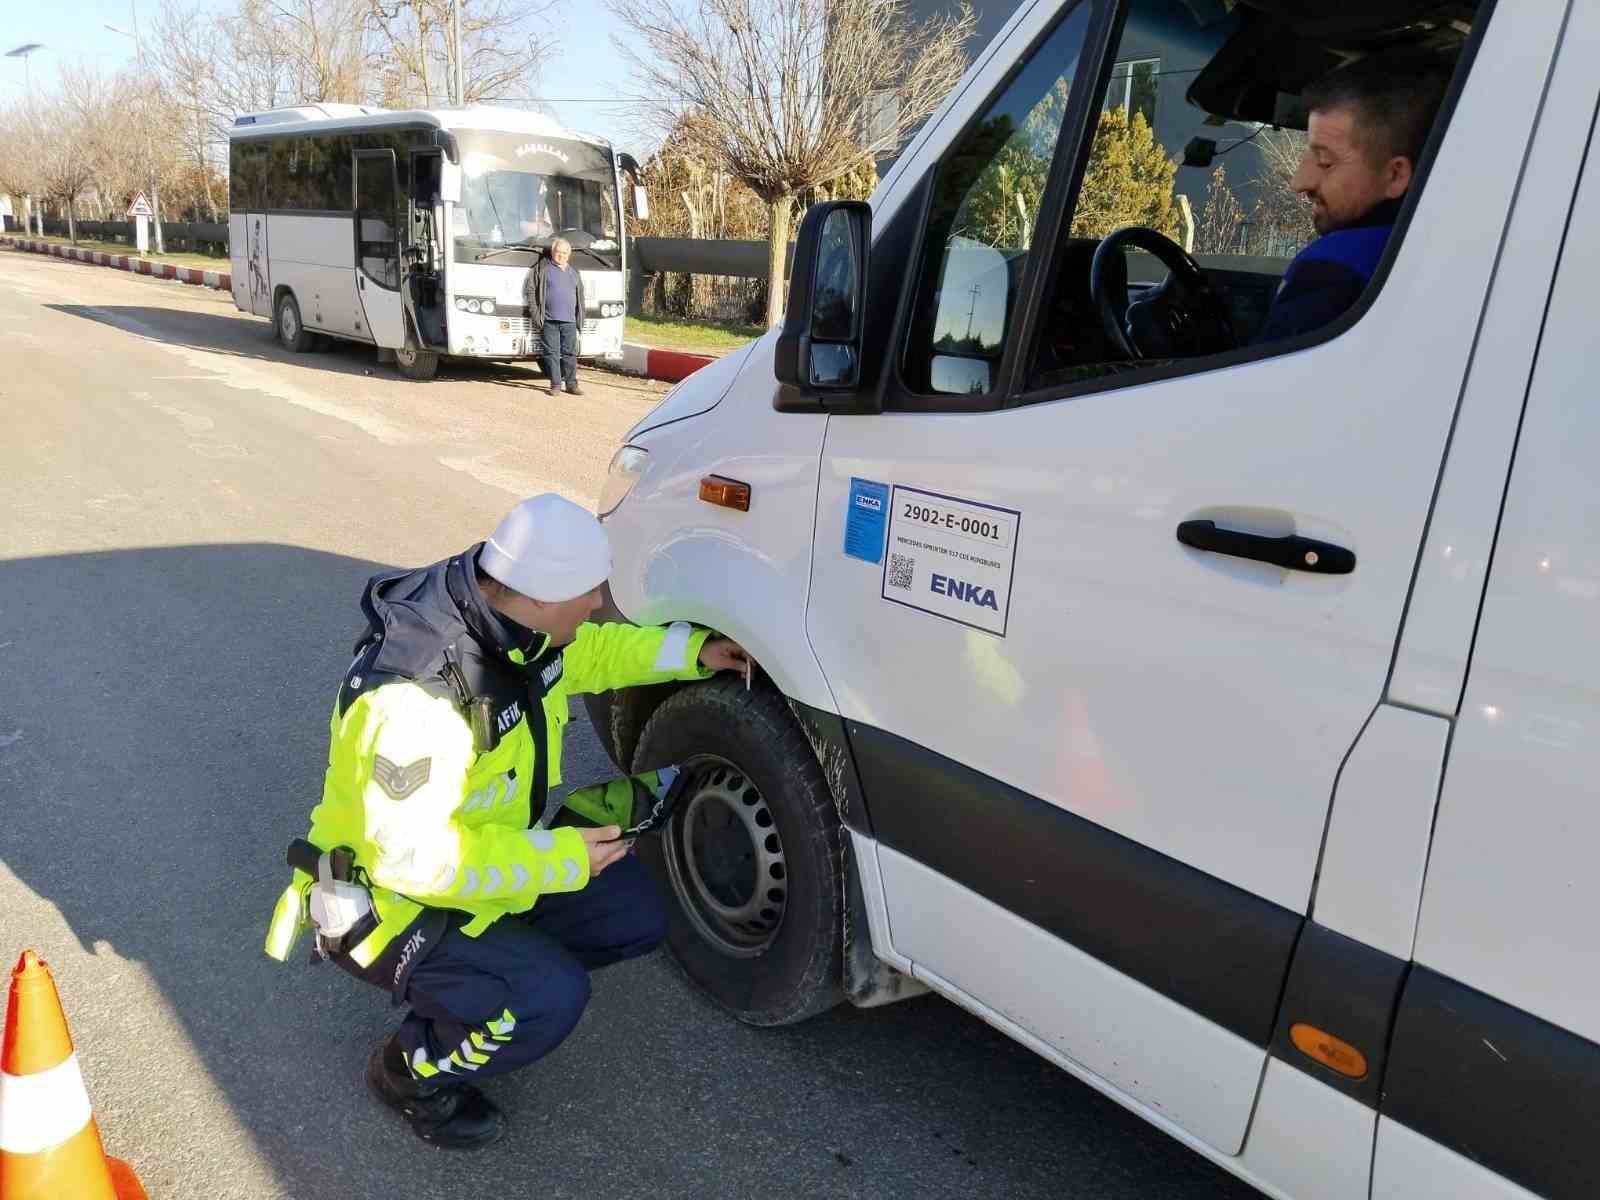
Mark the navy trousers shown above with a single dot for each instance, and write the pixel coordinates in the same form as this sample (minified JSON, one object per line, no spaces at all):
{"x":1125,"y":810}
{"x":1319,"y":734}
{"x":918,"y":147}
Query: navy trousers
{"x":560,"y":342}
{"x":490,"y":1004}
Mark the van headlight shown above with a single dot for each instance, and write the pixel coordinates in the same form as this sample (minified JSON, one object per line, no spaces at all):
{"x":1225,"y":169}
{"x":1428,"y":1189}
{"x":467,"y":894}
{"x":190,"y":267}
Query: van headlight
{"x":627,"y":465}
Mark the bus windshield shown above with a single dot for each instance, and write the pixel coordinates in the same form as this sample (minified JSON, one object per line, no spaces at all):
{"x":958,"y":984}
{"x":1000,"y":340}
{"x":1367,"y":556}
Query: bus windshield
{"x":521,"y":191}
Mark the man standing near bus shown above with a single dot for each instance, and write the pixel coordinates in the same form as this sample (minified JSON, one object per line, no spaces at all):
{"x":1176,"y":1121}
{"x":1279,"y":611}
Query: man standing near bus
{"x":554,"y":292}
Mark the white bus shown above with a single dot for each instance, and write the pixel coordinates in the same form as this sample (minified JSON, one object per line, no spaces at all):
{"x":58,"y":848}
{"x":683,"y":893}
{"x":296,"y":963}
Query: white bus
{"x":414,"y":231}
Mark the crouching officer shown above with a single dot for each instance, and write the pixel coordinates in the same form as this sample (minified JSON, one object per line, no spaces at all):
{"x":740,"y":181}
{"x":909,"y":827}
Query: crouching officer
{"x":429,"y":871}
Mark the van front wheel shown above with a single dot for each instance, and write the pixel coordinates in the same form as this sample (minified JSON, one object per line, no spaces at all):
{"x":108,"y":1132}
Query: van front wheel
{"x":750,"y":856}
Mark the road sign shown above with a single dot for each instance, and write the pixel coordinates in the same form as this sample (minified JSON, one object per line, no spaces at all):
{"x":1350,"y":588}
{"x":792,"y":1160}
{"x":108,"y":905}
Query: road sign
{"x":140,"y":207}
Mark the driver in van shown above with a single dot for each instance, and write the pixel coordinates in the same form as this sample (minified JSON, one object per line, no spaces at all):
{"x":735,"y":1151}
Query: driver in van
{"x":1368,"y":123}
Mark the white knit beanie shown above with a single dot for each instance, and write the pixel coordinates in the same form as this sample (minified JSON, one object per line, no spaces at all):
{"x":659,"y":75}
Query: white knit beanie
{"x":548,"y":548}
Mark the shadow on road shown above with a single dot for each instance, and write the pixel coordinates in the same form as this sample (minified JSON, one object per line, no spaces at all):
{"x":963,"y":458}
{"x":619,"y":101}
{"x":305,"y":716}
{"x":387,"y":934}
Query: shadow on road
{"x":173,"y":704}
{"x":252,"y":337}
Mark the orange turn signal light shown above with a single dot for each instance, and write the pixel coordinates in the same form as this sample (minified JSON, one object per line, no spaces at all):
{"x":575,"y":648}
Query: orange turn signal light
{"x":1334,"y":1053}
{"x":725,"y":493}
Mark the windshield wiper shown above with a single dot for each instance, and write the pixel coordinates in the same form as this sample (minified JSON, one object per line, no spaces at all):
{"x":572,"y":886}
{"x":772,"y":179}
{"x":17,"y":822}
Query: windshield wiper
{"x":525,"y":247}
{"x":594,"y":254}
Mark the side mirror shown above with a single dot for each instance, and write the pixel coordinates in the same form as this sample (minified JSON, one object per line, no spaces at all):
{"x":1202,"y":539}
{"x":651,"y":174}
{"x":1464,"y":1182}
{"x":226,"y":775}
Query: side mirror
{"x":641,"y":203}
{"x":1199,"y":152}
{"x":450,"y":182}
{"x":819,"y":349}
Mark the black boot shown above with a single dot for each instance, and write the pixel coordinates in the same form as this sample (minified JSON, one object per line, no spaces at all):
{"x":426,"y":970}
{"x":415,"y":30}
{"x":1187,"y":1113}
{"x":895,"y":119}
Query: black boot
{"x":453,"y":1116}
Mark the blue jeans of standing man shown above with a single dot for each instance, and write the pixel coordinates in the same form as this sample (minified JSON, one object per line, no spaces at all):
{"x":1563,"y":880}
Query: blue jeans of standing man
{"x":561,"y":339}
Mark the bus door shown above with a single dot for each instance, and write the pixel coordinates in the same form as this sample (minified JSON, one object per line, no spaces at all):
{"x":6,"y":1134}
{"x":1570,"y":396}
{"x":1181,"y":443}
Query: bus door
{"x":424,"y":250}
{"x":377,"y":233}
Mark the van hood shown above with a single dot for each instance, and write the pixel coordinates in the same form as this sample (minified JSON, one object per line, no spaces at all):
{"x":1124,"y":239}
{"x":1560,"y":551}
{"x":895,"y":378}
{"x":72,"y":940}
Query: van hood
{"x":702,"y":391}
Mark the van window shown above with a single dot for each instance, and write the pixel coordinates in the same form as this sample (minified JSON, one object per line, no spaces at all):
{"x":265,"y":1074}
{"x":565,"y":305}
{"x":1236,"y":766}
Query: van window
{"x":985,"y":203}
{"x":1201,"y":262}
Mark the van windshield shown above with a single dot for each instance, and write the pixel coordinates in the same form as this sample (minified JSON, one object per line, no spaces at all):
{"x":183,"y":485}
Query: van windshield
{"x":519,"y":192}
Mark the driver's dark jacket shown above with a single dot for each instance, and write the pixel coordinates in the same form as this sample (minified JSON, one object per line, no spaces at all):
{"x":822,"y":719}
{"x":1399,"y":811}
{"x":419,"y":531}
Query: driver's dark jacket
{"x":533,"y":289}
{"x":1326,"y":278}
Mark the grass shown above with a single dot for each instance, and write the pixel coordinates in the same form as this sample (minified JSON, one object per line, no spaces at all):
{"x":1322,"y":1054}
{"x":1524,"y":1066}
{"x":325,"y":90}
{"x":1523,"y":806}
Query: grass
{"x":178,"y":258}
{"x":670,"y":333}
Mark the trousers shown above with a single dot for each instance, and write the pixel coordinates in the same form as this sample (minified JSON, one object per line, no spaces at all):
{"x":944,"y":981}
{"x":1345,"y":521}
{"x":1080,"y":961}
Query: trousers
{"x":560,"y":343}
{"x":487,"y":1005}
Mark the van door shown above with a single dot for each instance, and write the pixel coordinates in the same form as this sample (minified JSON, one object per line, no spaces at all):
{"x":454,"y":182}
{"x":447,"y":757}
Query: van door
{"x":377,"y":237}
{"x":1097,"y":759}
{"x":1496,"y":1059}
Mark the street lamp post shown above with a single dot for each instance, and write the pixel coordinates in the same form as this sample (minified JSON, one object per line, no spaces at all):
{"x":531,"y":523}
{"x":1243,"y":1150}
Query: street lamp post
{"x":23,"y":52}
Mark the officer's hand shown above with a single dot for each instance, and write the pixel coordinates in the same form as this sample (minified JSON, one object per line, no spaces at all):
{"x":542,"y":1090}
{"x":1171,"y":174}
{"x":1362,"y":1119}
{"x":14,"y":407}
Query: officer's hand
{"x":603,"y":847}
{"x":723,"y":654}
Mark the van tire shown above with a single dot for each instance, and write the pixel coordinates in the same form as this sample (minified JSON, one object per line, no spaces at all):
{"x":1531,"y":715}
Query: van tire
{"x":619,"y":717}
{"x":798,"y":972}
{"x":291,"y":330}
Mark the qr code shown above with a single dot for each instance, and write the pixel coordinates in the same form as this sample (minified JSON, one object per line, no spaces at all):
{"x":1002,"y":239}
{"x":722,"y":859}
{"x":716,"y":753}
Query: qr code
{"x":901,"y":567}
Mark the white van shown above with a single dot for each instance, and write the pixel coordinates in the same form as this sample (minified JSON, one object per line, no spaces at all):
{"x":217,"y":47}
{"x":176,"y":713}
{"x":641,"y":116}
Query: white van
{"x":1222,"y":724}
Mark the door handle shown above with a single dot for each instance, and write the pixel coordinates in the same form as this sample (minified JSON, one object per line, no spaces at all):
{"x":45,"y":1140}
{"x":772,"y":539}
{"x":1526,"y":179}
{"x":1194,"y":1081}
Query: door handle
{"x":1292,"y":553}
{"x":361,"y":282}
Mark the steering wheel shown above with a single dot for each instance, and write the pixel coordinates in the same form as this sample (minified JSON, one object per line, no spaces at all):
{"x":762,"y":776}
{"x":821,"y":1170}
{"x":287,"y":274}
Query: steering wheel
{"x":1183,"y":318}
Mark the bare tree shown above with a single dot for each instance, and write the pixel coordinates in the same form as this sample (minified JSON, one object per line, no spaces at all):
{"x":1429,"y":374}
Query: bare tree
{"x":20,"y":174}
{"x":793,"y":93}
{"x":502,"y":49}
{"x":65,"y":129}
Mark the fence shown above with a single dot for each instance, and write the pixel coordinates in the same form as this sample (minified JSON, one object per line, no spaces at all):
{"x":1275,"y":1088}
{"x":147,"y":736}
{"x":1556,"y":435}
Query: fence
{"x":653,"y":261}
{"x":202,"y":237}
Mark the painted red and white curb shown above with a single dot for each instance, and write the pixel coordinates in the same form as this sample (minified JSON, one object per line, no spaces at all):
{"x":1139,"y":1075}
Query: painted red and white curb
{"x":670,"y":366}
{"x":651,"y":362}
{"x":221,"y":280}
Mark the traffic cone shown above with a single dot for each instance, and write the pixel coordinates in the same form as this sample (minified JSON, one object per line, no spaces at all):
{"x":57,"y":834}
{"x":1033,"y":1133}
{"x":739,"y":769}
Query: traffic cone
{"x":49,"y":1144}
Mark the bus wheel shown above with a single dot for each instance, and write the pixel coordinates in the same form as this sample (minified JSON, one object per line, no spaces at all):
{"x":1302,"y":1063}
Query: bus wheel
{"x":750,"y":856}
{"x":291,"y":329}
{"x":415,"y":363}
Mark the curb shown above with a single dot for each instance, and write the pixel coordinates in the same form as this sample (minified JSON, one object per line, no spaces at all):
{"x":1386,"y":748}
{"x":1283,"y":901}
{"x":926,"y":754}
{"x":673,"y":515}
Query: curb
{"x":222,"y":281}
{"x":668,"y":366}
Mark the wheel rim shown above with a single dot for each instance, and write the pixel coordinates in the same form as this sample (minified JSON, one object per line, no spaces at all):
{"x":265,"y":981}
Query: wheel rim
{"x":406,"y":356}
{"x":288,"y":322}
{"x":725,"y":859}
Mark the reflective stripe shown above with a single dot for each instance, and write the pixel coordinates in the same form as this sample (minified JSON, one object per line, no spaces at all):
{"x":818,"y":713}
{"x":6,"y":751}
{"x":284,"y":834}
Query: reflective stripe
{"x":549,"y":874}
{"x":471,"y":884}
{"x":467,"y":1052}
{"x":573,"y":871}
{"x":455,"y":1058}
{"x":674,"y":647}
{"x":504,"y":1027}
{"x":421,"y":1067}
{"x":541,"y":839}
{"x":485,"y":1044}
{"x":43,"y":1109}
{"x":519,"y":878}
{"x":492,"y":880}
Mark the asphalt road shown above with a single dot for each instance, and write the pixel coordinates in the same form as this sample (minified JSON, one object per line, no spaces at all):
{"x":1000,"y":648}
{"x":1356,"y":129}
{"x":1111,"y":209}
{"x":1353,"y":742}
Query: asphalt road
{"x":190,"y":513}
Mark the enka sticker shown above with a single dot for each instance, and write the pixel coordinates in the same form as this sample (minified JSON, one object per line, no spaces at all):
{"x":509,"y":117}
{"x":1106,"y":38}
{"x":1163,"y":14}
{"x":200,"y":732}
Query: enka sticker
{"x":972,"y":593}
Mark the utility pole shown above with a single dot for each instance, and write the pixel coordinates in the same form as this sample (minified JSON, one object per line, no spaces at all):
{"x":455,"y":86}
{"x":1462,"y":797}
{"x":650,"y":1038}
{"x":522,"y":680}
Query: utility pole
{"x":460,"y":98}
{"x":144,"y":121}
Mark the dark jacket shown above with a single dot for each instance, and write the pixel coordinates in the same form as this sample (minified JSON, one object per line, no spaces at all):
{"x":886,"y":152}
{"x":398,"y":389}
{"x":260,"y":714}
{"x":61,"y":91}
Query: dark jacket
{"x":1328,"y":276}
{"x":533,"y":289}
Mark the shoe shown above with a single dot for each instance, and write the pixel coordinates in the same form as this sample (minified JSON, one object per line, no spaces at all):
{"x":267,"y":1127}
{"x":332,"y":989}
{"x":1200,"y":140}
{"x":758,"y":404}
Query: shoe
{"x":453,"y":1116}
{"x":574,"y":390}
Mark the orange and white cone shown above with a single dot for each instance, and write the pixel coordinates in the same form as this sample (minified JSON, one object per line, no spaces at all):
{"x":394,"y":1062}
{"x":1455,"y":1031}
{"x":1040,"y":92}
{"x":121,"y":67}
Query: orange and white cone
{"x":49,"y":1144}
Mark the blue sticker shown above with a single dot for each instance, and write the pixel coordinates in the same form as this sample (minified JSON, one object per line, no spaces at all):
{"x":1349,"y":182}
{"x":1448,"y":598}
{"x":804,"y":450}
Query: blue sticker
{"x":865,"y":522}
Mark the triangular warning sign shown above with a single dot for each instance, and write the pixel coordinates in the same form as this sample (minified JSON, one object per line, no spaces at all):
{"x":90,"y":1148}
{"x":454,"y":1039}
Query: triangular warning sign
{"x":140,"y":207}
